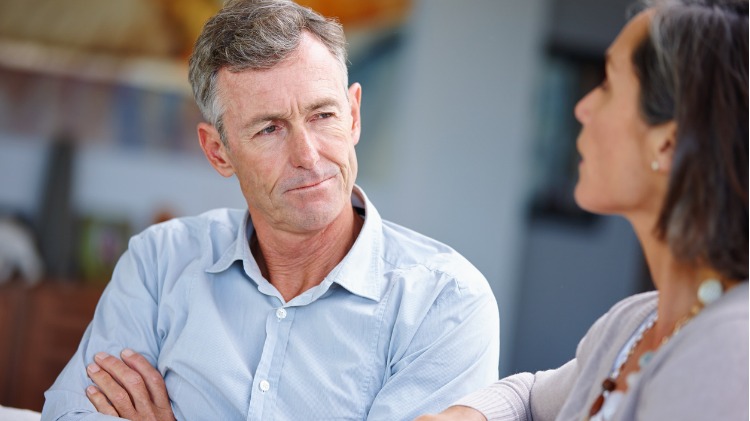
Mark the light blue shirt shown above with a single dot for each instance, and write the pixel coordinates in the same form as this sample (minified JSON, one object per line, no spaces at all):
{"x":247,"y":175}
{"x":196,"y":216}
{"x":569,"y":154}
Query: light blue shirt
{"x":402,"y":326}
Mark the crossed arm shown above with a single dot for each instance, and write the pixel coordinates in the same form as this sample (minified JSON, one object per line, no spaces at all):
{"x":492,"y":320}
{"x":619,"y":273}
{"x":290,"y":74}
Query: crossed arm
{"x":131,"y":388}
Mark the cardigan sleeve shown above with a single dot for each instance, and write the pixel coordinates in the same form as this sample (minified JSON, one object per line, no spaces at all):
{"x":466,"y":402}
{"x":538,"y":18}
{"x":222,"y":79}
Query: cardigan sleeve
{"x":525,"y":396}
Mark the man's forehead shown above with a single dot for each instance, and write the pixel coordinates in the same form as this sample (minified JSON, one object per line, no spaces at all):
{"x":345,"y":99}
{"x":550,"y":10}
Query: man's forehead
{"x":253,"y":85}
{"x":258,"y":81}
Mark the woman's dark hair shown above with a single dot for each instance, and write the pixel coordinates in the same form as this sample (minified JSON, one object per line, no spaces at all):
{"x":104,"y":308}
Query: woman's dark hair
{"x":693,"y":69}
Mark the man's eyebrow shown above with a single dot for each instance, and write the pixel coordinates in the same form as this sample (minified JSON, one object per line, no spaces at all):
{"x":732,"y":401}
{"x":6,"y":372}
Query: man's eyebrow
{"x":323,"y":103}
{"x":259,"y":120}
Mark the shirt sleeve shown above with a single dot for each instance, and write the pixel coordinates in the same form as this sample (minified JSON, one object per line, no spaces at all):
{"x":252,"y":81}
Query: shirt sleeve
{"x":125,"y":317}
{"x":451,"y":350}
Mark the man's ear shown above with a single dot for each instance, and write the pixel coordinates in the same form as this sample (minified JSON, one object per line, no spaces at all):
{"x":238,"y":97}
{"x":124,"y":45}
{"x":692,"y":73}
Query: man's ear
{"x":662,"y":142}
{"x":214,"y":149}
{"x":355,"y":102}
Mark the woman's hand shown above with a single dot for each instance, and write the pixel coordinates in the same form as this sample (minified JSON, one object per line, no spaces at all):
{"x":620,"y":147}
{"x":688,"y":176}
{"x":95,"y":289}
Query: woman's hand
{"x":455,"y":413}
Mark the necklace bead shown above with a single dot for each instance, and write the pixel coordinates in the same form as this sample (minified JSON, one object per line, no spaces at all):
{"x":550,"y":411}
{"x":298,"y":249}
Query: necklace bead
{"x":709,"y":291}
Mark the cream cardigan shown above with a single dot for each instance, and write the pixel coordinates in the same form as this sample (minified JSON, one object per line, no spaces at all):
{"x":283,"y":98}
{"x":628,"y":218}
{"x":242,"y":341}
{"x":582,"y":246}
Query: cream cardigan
{"x":700,"y":374}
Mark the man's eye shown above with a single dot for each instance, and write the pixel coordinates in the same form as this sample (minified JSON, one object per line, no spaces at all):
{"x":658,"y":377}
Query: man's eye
{"x":269,"y":130}
{"x":325,"y":115}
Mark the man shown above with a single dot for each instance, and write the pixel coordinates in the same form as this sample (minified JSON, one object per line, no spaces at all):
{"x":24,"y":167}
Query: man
{"x":307,"y":305}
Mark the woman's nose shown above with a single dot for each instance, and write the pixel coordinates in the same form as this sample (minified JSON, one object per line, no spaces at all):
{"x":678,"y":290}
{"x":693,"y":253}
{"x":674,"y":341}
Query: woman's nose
{"x":581,"y":109}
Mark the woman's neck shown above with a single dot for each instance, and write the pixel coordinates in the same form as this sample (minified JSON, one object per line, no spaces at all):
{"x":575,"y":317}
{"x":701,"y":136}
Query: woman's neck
{"x":676,"y":281}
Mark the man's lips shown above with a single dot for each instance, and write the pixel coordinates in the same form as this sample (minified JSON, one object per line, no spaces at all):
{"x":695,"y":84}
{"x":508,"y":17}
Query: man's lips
{"x":308,"y":185}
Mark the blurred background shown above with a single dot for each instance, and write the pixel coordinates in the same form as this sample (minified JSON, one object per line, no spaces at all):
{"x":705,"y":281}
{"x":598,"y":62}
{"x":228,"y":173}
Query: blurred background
{"x":468,"y":137}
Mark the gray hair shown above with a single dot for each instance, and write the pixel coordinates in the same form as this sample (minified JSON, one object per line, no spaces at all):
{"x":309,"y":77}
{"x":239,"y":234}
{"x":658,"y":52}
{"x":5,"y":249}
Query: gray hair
{"x":256,"y":35}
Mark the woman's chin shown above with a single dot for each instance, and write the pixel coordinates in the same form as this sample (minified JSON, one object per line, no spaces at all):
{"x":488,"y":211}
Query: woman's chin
{"x":584,"y":200}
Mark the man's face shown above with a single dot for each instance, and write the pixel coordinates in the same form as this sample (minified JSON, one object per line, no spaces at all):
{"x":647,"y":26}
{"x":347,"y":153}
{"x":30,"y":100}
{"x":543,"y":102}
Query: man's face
{"x":291,"y":132}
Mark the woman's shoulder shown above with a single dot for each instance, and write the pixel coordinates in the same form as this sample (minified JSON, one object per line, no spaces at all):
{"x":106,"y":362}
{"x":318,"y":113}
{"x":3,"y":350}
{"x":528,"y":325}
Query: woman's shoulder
{"x":637,"y":303}
{"x":723,"y":323}
{"x":732,"y":305}
{"x":702,"y":372}
{"x":715,"y":342}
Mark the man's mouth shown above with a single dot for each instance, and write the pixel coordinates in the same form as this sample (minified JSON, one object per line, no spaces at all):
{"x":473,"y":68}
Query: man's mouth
{"x":309,"y":185}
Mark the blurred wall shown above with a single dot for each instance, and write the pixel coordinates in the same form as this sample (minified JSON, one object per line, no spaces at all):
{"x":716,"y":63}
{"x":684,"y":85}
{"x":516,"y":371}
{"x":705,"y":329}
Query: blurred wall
{"x":120,"y":184}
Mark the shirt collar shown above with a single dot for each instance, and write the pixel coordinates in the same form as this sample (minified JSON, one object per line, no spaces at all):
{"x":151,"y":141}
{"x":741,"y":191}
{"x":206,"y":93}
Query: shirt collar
{"x":359,"y":272}
{"x":239,"y":249}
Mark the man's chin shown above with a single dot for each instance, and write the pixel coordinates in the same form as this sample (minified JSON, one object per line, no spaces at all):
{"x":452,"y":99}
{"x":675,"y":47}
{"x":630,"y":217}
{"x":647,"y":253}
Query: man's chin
{"x":314,"y":210}
{"x":311,"y":214}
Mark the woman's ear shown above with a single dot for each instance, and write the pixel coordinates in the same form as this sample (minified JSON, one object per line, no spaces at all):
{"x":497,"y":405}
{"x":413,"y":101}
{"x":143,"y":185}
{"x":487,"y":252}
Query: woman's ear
{"x":662,"y":142}
{"x":214,"y":149}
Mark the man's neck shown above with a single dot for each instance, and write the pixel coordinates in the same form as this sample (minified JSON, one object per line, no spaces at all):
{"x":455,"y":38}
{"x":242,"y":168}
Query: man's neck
{"x":294,"y":263}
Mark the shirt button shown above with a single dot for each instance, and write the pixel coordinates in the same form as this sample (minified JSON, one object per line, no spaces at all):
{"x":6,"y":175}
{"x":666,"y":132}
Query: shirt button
{"x":264,"y":386}
{"x":280,"y":313}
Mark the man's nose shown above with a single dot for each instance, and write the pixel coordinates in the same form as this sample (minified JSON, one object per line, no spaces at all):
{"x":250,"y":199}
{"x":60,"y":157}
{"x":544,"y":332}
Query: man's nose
{"x":304,"y":152}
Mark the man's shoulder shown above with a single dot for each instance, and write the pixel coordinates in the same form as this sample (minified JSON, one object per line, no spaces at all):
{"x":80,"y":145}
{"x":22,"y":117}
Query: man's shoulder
{"x":405,"y":250}
{"x":213,"y":219}
{"x":206,"y":223}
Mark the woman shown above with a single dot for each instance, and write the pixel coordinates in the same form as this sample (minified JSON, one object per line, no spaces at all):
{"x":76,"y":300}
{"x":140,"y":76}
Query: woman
{"x":665,"y":144}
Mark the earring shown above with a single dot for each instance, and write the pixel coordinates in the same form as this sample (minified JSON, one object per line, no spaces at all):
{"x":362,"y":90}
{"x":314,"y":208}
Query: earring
{"x":655,"y":165}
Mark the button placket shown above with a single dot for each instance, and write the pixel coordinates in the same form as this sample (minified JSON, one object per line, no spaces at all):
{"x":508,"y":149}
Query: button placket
{"x":278,"y":326}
